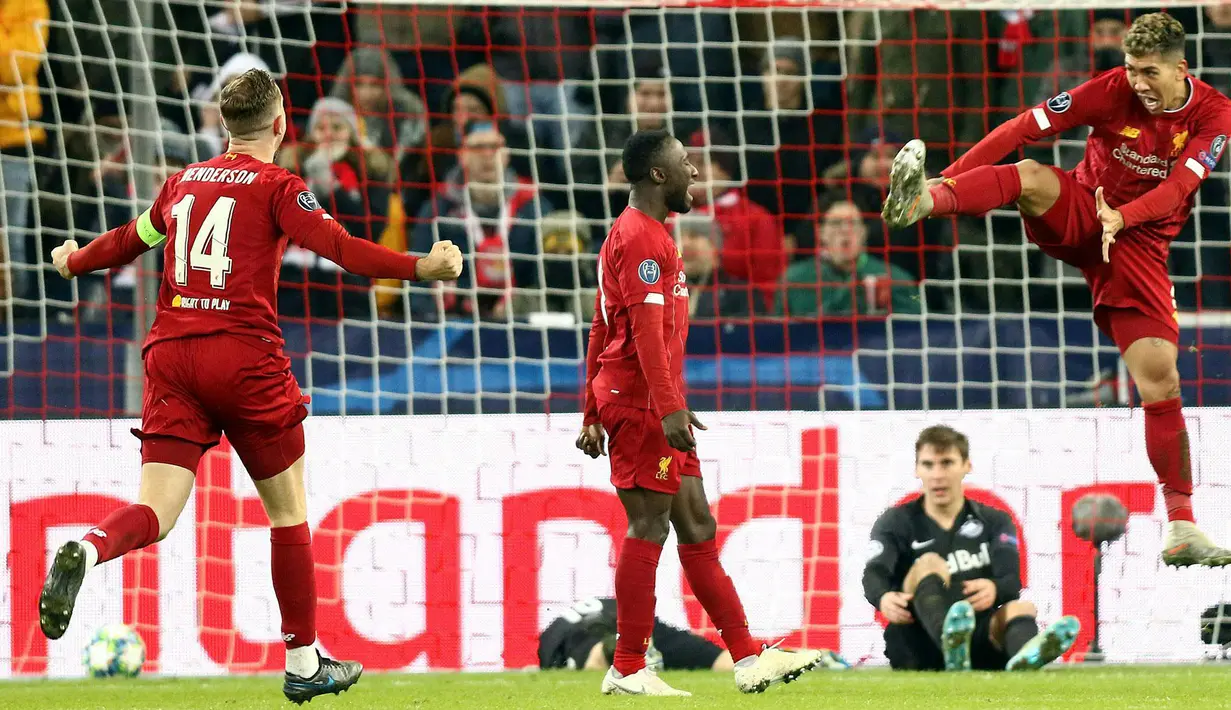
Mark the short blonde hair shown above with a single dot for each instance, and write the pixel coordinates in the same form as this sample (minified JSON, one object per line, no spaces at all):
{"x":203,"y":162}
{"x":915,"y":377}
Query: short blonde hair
{"x":249,"y":103}
{"x":1155,"y":33}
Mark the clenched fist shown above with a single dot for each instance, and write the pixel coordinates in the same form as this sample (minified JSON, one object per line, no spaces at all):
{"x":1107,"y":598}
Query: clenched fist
{"x":59,"y":257}
{"x":443,"y":263}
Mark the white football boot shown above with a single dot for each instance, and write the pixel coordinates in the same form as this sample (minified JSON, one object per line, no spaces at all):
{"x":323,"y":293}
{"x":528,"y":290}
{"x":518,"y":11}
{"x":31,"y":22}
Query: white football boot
{"x":909,"y":200}
{"x":775,"y":666}
{"x":1185,"y":544}
{"x":643,"y":682}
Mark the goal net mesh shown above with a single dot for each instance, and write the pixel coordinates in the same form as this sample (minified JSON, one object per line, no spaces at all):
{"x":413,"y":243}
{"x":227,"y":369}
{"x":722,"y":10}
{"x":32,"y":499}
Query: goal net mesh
{"x":802,"y":300}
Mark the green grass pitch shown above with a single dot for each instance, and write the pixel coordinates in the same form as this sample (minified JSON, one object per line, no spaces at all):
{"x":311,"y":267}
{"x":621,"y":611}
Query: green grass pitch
{"x":1086,"y":688}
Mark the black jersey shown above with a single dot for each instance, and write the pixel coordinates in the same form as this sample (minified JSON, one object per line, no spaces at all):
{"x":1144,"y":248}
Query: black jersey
{"x":981,"y":545}
{"x":568,"y":639}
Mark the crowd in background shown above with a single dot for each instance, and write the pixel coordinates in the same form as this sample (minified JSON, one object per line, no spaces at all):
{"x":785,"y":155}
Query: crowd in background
{"x":501,"y":129}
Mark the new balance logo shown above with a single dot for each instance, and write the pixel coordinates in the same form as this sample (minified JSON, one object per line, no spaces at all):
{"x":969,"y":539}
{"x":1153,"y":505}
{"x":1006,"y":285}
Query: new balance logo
{"x":1130,"y":132}
{"x":916,"y":545}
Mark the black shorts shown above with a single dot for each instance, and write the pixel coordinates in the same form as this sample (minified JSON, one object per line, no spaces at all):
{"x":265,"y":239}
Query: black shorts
{"x":909,"y":647}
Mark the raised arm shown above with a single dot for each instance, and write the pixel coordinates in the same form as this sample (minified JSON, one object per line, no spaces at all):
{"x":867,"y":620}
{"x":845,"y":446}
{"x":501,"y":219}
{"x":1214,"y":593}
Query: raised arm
{"x":298,"y":214}
{"x":364,"y":258}
{"x":119,"y":246}
{"x":1070,"y":109}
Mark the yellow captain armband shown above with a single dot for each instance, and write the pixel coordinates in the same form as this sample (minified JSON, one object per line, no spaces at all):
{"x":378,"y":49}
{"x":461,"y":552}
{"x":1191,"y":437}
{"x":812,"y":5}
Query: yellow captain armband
{"x":146,"y":230}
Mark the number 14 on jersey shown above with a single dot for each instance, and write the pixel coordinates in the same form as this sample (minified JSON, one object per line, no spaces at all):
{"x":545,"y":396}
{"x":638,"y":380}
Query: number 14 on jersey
{"x":214,"y":233}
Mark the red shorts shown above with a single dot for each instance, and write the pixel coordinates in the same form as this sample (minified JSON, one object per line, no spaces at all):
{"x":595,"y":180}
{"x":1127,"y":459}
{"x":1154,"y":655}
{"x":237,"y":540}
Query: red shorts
{"x":1133,"y":294}
{"x":639,"y":452}
{"x":198,"y":388}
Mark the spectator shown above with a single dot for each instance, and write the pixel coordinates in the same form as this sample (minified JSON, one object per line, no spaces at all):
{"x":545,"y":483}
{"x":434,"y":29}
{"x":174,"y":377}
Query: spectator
{"x":791,"y":135}
{"x":475,"y":96}
{"x":569,"y":269}
{"x":490,"y":212}
{"x":600,"y":190}
{"x":23,"y":35}
{"x":844,"y":279}
{"x":353,"y":183}
{"x":711,"y":292}
{"x":753,"y":248}
{"x":903,"y":78}
{"x":392,"y":117}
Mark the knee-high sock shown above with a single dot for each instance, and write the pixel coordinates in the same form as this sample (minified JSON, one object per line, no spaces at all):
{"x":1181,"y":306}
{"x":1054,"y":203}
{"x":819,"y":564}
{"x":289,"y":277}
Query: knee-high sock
{"x":1167,"y":447}
{"x":1018,"y":632}
{"x":125,"y":529}
{"x":714,"y":589}
{"x":932,"y":601}
{"x":980,"y":190}
{"x":294,"y":576}
{"x":636,"y":571}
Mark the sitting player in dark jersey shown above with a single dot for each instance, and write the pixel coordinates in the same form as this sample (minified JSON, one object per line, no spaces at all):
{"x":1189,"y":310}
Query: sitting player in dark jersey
{"x":1157,"y":132}
{"x":583,"y":638}
{"x":635,"y":393}
{"x":214,"y":362}
{"x":945,"y":572}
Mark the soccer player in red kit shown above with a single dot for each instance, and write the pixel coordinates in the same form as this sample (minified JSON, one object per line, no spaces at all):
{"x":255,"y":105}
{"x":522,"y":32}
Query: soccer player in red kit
{"x":635,"y":395}
{"x":1157,"y":132}
{"x":214,"y":361}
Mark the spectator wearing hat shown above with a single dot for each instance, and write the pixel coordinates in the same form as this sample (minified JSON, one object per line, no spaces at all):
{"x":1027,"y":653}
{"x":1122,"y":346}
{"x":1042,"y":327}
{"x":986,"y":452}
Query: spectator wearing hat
{"x":569,"y":269}
{"x":353,"y":183}
{"x":476,"y":95}
{"x":843,"y":278}
{"x":752,"y":247}
{"x":792,"y":134}
{"x":491,"y":213}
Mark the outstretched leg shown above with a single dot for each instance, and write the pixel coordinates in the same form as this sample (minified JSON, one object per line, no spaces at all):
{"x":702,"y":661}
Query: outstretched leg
{"x":165,"y":488}
{"x":755,"y":670}
{"x":946,"y":617}
{"x":1032,"y":186}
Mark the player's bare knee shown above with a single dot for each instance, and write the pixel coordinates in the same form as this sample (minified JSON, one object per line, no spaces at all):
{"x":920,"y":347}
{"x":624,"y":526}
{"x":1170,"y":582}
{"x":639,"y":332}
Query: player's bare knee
{"x":694,"y":528}
{"x":1040,"y":187}
{"x":650,"y":528}
{"x":928,"y":564}
{"x":1017,"y":608}
{"x":1152,"y":364}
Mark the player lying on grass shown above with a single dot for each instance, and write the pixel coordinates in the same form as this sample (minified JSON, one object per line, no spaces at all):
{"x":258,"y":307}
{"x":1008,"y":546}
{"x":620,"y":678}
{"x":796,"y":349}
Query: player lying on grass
{"x":634,"y":393}
{"x":214,"y":362}
{"x":1157,"y":134}
{"x":584,"y":637}
{"x":945,"y":572}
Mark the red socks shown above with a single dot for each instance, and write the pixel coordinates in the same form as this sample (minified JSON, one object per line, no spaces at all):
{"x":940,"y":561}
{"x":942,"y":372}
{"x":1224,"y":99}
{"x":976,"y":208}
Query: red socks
{"x":714,"y":589}
{"x":294,"y":576}
{"x":983,"y":189}
{"x":129,"y":528}
{"x":635,"y":573}
{"x":1167,"y":447}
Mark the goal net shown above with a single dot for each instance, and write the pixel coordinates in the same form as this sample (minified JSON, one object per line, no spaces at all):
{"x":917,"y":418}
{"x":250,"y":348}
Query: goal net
{"x":452,"y":519}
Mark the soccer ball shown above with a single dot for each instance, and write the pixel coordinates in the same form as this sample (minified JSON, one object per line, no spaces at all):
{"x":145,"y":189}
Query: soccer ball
{"x":115,"y":650}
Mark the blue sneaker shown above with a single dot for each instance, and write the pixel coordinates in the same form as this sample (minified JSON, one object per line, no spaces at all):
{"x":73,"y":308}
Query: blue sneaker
{"x":1047,"y":646}
{"x":332,"y":677}
{"x":955,"y":636}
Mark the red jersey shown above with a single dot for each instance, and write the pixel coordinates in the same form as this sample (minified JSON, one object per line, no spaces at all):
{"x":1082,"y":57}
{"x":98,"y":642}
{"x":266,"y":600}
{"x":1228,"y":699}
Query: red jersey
{"x":1130,"y":153}
{"x":1149,"y":167}
{"x":224,"y":225}
{"x":636,"y":350}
